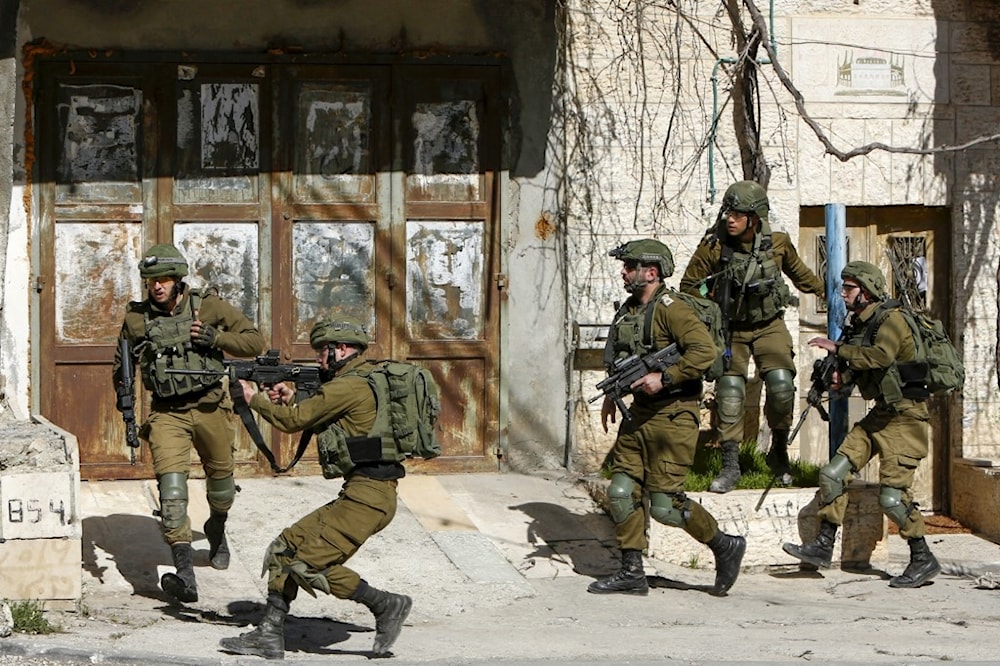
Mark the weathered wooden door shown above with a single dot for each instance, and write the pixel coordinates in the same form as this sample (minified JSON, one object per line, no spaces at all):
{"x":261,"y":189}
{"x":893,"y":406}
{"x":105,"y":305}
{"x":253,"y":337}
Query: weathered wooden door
{"x":295,"y":191}
{"x":918,"y":237}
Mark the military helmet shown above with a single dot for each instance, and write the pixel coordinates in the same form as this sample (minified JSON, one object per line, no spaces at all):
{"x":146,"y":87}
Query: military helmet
{"x":646,"y":251}
{"x":163,"y":260}
{"x":332,"y":331}
{"x":746,"y":196}
{"x":867,"y":275}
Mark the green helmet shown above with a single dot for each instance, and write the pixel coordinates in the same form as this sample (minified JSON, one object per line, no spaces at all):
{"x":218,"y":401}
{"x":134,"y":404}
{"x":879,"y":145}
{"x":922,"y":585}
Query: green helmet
{"x":332,"y":331}
{"x":646,"y":251}
{"x":746,"y":196}
{"x":867,"y":275}
{"x":163,"y":260}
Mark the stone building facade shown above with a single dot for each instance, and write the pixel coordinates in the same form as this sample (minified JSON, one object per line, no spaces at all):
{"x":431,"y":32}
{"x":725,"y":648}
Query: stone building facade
{"x":612,"y":121}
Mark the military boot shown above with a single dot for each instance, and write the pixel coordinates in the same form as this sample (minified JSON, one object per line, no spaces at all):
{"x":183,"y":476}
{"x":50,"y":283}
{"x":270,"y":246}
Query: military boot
{"x":922,"y":567}
{"x":728,"y":551}
{"x":631,"y":579}
{"x":777,"y":457}
{"x":218,"y":547}
{"x":390,"y":611}
{"x":181,"y":585}
{"x":268,"y":639}
{"x":820,"y":551}
{"x":730,"y":474}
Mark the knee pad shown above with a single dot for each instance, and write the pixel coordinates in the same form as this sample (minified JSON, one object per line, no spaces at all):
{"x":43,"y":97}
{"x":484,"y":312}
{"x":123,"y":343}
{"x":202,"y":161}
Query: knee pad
{"x":780,"y":385}
{"x":620,"y":497}
{"x":831,"y":478}
{"x":220,"y":493}
{"x":173,"y":499}
{"x":662,"y":509}
{"x":280,"y":558}
{"x":730,"y":394}
{"x":891,"y":501}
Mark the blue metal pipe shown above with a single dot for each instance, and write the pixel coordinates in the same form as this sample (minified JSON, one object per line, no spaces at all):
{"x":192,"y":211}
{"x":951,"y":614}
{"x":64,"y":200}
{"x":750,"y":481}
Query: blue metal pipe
{"x":836,"y":311}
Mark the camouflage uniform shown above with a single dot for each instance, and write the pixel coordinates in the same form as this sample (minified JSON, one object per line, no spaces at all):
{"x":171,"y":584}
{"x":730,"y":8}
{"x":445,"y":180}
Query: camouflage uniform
{"x":879,"y":355}
{"x":187,"y":410}
{"x":756,"y":307}
{"x":311,"y":553}
{"x":655,"y":449}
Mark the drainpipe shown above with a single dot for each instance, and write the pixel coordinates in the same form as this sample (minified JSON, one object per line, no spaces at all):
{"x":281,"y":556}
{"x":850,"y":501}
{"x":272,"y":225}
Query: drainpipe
{"x":715,"y":103}
{"x":836,"y":311}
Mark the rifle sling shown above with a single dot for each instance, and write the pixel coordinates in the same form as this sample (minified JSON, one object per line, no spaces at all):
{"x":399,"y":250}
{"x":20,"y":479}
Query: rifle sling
{"x":243,"y":409}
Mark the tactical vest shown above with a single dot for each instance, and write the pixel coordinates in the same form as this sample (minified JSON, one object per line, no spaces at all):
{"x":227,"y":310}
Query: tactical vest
{"x":339,"y":452}
{"x":759,"y":292}
{"x":901,"y":380}
{"x":630,"y":333}
{"x":167,"y":346}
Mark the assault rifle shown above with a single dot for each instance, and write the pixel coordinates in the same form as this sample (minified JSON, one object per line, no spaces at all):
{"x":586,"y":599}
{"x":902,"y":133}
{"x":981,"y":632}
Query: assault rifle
{"x":627,"y":371}
{"x":822,"y":379}
{"x":126,"y":397}
{"x":265,"y":371}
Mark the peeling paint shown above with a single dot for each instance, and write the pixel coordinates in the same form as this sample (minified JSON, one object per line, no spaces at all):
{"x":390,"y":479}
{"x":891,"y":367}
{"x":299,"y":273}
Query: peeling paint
{"x":223,"y":256}
{"x":444,"y":271}
{"x":333,"y":273}
{"x":100,"y":140}
{"x":218,"y":144}
{"x":95,"y":272}
{"x":333,"y":155}
{"x":446,"y":151}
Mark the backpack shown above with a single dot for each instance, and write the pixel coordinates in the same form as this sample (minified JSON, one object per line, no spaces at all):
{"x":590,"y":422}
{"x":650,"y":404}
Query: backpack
{"x":711,"y":315}
{"x":945,"y":370}
{"x":408,"y":403}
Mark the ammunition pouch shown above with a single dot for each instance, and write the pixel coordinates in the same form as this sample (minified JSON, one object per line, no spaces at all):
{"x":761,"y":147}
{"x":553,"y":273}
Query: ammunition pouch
{"x":339,"y":453}
{"x":168,"y":347}
{"x":913,"y":380}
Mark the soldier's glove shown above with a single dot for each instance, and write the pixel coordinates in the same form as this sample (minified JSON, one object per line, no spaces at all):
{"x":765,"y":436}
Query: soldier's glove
{"x":205,"y":337}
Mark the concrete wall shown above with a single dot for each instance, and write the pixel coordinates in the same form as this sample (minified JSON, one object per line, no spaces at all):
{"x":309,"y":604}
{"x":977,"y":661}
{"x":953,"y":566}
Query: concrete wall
{"x":644,"y":100}
{"x":522,"y":31}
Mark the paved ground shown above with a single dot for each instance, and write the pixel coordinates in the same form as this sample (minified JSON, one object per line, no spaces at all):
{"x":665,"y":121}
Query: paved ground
{"x":498,"y":567}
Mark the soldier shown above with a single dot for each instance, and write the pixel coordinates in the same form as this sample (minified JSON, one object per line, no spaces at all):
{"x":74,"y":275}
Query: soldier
{"x":879,"y":355}
{"x":740,"y":262}
{"x":655,"y":449}
{"x":312,"y":553}
{"x":178,"y":328}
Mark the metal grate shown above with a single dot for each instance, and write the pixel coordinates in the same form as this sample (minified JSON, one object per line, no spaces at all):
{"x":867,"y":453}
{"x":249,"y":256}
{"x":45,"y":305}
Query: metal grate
{"x":909,"y":282}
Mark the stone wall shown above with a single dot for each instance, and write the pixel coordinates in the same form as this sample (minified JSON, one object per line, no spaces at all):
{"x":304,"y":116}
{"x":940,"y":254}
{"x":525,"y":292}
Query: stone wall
{"x":915,"y":74}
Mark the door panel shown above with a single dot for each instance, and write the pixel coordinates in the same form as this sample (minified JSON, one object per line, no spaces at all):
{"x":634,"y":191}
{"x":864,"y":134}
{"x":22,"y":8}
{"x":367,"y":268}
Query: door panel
{"x":295,"y":191}
{"x":447,"y":319}
{"x":917,"y":236}
{"x":94,"y":190}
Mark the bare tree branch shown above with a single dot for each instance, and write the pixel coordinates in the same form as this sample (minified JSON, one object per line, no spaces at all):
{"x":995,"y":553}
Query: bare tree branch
{"x":800,"y":105}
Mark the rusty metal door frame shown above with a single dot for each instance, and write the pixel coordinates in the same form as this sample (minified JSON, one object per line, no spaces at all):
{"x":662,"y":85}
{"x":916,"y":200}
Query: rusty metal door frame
{"x":157,"y":211}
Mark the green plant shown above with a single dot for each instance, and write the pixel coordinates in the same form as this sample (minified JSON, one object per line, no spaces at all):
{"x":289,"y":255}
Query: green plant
{"x":756,"y":473}
{"x":693,"y":561}
{"x":29,"y":617}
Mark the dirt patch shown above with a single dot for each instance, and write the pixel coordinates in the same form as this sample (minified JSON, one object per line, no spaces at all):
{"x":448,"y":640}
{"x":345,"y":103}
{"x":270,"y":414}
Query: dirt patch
{"x":937,"y":525}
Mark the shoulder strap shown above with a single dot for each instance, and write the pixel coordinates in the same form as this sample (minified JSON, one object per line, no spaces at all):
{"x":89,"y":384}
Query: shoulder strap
{"x":609,"y":354}
{"x":881,"y":313}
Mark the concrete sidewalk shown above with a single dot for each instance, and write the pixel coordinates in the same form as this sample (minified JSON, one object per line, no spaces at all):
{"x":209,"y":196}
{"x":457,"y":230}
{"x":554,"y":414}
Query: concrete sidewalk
{"x":498,"y":566}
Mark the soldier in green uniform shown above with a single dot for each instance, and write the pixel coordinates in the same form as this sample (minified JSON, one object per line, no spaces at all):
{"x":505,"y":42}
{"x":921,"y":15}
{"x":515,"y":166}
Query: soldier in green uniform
{"x":311,"y":554}
{"x":880,"y":356}
{"x":178,"y":328}
{"x":655,"y":449}
{"x":740,"y":264}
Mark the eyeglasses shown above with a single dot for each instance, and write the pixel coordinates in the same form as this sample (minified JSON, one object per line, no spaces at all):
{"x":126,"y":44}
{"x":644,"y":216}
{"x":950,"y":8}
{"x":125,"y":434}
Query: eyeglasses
{"x":848,"y":288}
